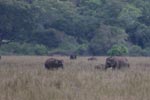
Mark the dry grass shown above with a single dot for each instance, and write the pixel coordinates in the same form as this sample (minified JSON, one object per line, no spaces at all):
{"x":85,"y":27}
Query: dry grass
{"x":25,"y":78}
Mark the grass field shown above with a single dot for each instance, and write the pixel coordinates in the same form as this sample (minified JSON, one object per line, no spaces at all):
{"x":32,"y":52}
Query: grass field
{"x":25,"y":78}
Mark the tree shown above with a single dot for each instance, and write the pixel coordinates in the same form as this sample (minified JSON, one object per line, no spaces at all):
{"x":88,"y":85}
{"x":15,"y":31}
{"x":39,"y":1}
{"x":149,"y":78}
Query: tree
{"x":118,"y":50}
{"x":129,"y":15}
{"x":105,"y":37}
{"x":145,"y":8}
{"x":135,"y":50}
{"x":50,"y":37}
{"x":82,"y":26}
{"x":16,"y":20}
{"x":139,"y":34}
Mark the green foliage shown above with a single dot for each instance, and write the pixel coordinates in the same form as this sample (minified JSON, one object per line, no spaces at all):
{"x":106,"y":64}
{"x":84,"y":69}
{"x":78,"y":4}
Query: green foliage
{"x":81,"y":26}
{"x":16,"y":20}
{"x":49,"y":37}
{"x":68,"y":44}
{"x":146,"y":52}
{"x":118,"y":50}
{"x":129,"y":14}
{"x":105,"y":38}
{"x":82,"y":49}
{"x":40,"y":50}
{"x":25,"y":49}
{"x":138,"y":51}
{"x":135,"y":50}
{"x":140,"y":35}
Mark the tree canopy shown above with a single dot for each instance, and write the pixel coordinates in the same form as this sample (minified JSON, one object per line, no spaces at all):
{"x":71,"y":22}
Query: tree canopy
{"x":86,"y":27}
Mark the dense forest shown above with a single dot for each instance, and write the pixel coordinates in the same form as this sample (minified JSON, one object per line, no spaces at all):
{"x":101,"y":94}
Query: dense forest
{"x":84,"y":27}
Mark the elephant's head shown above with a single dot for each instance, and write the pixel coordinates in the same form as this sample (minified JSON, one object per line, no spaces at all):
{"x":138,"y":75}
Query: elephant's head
{"x":110,"y":63}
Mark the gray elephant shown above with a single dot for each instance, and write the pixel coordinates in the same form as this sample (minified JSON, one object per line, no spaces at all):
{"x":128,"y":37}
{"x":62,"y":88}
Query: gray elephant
{"x":53,"y":63}
{"x":116,"y":62}
{"x":73,"y":56}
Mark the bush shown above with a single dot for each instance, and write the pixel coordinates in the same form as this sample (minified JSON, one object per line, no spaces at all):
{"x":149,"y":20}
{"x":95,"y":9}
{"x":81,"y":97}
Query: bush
{"x":138,"y":51}
{"x":118,"y":50}
{"x":82,"y":49}
{"x":146,"y":52}
{"x":23,"y":49}
{"x":135,"y":50}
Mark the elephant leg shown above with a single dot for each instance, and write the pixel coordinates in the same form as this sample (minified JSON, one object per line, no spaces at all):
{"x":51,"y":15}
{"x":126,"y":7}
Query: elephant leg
{"x":115,"y":65}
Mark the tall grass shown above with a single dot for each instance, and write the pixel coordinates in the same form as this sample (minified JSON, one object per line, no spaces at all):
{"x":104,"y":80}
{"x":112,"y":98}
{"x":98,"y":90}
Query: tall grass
{"x":25,"y":78}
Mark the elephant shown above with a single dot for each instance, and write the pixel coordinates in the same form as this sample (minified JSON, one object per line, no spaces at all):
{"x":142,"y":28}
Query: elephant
{"x":116,"y":62}
{"x":73,"y":56}
{"x":53,"y":63}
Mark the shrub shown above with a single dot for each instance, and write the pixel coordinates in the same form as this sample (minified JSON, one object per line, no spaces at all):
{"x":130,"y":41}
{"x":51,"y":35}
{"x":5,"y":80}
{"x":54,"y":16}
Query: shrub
{"x":23,"y":49}
{"x":135,"y":50}
{"x":118,"y":50}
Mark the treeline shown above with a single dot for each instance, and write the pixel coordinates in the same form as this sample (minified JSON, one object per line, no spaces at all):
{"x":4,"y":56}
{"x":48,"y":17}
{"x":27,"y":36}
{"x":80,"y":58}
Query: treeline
{"x":85,"y":27}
